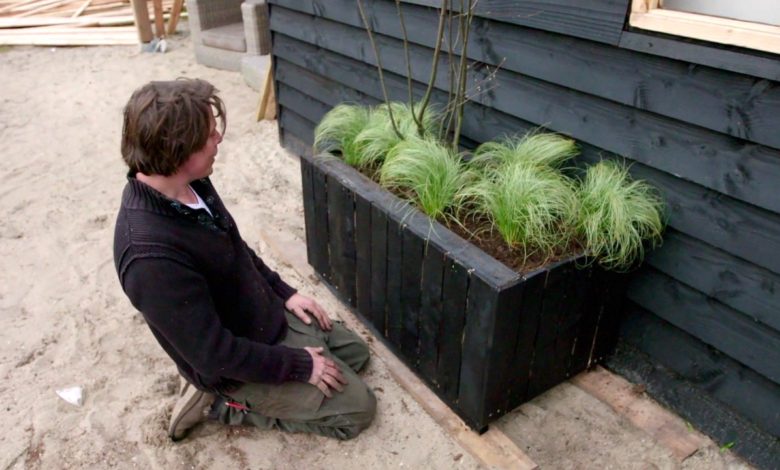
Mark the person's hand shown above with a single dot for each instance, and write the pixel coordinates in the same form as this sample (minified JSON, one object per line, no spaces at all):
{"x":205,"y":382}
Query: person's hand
{"x":325,"y":374}
{"x":299,"y":305}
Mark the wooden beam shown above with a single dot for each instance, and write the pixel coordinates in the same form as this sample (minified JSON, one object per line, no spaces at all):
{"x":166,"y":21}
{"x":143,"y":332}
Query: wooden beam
{"x":141,"y":15}
{"x":709,"y":28}
{"x":665,"y":427}
{"x":175,"y":13}
{"x":493,"y":448}
{"x":159,"y":22}
{"x":266,"y":109}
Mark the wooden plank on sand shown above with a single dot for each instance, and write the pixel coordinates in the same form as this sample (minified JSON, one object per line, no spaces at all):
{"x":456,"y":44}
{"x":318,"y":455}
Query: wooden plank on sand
{"x":665,"y":427}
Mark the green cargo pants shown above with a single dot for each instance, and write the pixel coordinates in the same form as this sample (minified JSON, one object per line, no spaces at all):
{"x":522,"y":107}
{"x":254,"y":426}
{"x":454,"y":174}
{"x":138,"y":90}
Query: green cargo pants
{"x":302,"y":407}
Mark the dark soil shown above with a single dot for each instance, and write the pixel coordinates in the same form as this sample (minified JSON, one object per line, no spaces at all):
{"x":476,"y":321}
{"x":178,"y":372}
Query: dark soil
{"x":490,"y":242}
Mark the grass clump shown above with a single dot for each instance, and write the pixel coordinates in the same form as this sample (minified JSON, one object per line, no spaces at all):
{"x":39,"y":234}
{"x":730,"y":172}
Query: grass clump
{"x":337,"y":130}
{"x":535,"y":148}
{"x":533,"y":208}
{"x":378,"y":137}
{"x":430,"y":173}
{"x":618,"y":216}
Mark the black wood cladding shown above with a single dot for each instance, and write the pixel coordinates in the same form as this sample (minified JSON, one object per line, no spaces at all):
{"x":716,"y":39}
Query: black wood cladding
{"x":736,"y":104}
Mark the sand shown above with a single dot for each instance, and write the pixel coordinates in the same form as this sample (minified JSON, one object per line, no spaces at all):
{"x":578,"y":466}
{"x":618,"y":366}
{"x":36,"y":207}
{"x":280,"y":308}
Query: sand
{"x":65,"y":322}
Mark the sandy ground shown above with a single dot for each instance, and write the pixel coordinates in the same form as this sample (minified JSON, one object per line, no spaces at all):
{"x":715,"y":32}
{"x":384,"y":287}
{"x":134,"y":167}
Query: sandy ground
{"x":64,"y":320}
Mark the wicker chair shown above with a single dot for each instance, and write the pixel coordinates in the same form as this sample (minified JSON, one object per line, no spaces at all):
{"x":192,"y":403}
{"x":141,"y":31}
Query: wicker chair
{"x":231,"y":35}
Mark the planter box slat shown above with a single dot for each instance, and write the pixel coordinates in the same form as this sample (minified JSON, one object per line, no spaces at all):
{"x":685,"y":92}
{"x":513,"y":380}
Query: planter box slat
{"x":613,"y":288}
{"x":308,"y":214}
{"x":394,"y":281}
{"x":378,"y":270}
{"x":501,"y":370}
{"x":485,"y":338}
{"x":341,"y":232}
{"x":321,"y":251}
{"x":455,"y":285}
{"x":481,"y":306}
{"x":431,"y":311}
{"x":363,"y":254}
{"x":413,"y":249}
{"x":521,"y":359}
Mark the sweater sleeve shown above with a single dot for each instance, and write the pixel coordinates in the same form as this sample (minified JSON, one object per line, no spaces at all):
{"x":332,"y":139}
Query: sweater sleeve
{"x":175,"y":301}
{"x":281,"y":288}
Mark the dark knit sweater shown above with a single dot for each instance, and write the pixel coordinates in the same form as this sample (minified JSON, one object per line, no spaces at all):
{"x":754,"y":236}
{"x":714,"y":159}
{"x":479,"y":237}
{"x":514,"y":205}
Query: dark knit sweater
{"x":212,"y":304}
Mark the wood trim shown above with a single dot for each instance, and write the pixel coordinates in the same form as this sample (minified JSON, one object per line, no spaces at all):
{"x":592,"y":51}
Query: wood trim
{"x":646,"y":14}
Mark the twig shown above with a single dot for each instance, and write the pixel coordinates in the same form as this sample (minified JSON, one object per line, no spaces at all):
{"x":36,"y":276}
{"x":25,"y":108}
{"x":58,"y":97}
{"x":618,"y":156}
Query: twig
{"x":379,"y":68}
{"x":420,"y":129}
{"x":466,"y":22}
{"x":435,"y":64}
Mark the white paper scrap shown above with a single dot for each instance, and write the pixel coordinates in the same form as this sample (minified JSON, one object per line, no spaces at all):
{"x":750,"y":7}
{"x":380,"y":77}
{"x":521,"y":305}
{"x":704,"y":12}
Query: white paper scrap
{"x":72,"y":395}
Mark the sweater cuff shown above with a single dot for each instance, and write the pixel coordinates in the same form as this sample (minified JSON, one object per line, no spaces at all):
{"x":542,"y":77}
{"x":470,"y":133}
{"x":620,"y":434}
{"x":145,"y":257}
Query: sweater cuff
{"x":283,"y":290}
{"x":300,"y":365}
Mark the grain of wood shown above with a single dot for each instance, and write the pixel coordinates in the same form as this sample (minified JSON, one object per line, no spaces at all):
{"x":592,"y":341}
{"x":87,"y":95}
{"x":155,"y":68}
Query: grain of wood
{"x":628,"y":401}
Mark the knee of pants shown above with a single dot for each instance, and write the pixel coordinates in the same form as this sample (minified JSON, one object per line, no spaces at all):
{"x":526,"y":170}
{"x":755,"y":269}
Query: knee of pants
{"x":360,"y":420}
{"x":363,"y":354}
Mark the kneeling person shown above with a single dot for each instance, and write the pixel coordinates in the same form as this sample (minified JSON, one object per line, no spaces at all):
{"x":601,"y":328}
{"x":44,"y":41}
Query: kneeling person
{"x":241,"y":337}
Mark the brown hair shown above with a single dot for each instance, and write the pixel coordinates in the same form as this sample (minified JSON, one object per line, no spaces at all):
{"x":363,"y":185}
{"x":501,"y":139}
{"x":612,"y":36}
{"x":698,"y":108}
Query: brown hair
{"x":166,"y":122}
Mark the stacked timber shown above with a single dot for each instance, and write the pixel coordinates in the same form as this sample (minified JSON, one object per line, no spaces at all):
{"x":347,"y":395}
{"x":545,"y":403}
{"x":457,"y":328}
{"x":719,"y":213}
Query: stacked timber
{"x":69,"y":22}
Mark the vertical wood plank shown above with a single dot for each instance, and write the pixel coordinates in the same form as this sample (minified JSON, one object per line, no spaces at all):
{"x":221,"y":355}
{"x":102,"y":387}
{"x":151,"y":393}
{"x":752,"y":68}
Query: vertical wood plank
{"x":412,"y":262}
{"x":308,"y":208}
{"x":500,"y":370}
{"x":378,"y":270}
{"x":320,"y":251}
{"x":481,"y":305}
{"x":612,"y":298}
{"x":394,"y":280}
{"x":455,"y":285}
{"x":431,"y":311}
{"x":341,"y":226}
{"x":587,"y":286}
{"x":522,"y":356}
{"x":543,"y":368}
{"x":363,"y":255}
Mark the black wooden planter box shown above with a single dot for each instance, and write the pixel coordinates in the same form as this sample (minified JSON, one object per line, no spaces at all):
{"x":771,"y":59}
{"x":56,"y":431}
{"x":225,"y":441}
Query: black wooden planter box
{"x":483,"y":337}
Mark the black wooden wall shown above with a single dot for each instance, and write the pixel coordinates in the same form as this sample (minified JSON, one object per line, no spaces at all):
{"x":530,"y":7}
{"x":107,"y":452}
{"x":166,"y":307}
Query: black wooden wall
{"x":700,"y":122}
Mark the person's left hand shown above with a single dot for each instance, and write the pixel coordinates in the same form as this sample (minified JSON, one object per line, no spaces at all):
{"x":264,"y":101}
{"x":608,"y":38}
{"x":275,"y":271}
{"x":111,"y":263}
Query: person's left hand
{"x":300,"y":304}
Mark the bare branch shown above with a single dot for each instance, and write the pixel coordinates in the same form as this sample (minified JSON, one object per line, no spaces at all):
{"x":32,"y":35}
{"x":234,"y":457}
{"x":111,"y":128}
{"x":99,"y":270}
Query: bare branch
{"x":435,"y":65}
{"x":379,"y":67}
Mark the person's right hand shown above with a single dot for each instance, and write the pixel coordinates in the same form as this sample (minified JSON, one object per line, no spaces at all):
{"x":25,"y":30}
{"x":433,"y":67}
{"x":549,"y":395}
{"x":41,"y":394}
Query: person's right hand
{"x":325,"y":374}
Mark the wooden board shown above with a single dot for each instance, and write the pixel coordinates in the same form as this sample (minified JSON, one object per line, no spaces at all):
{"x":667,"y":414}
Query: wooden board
{"x":431,"y":311}
{"x":738,"y":336}
{"x":363,"y":258}
{"x":378,"y":269}
{"x":597,"y":20}
{"x":412,"y":264}
{"x":341,"y":239}
{"x":740,"y":285}
{"x":455,"y":286}
{"x":665,"y":427}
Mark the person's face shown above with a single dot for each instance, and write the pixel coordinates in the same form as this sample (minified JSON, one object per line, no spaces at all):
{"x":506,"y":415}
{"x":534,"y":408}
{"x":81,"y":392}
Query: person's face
{"x":200,"y":164}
